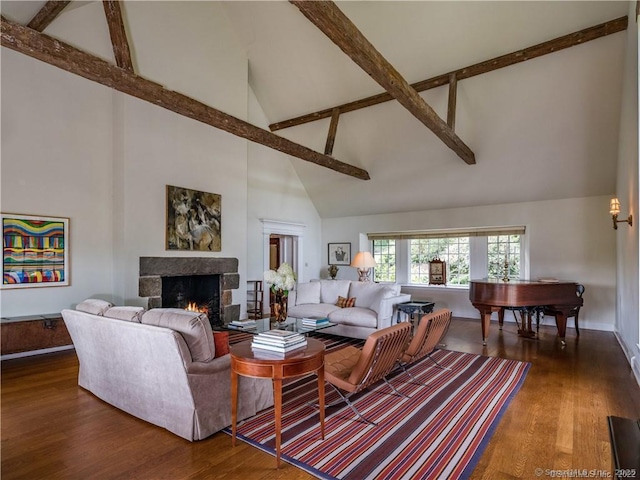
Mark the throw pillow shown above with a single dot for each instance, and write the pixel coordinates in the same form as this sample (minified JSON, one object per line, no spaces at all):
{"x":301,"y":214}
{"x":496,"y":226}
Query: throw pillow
{"x":194,"y":327}
{"x":94,"y":306}
{"x":129,"y":314}
{"x":346,"y":302}
{"x":221,"y":341}
{"x":308,"y":293}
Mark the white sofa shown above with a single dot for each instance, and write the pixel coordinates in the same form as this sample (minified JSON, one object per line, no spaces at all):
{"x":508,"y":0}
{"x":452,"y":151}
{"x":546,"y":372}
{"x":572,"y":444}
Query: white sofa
{"x":373,"y":306}
{"x":160,"y":366}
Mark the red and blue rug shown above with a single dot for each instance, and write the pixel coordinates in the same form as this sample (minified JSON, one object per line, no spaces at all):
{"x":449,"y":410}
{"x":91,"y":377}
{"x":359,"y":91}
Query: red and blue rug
{"x":439,"y":432}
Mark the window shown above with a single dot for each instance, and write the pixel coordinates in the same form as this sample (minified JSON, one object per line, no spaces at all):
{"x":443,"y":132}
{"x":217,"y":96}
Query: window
{"x":384,"y":253}
{"x":454,"y":251}
{"x":474,"y":252}
{"x":503,"y":251}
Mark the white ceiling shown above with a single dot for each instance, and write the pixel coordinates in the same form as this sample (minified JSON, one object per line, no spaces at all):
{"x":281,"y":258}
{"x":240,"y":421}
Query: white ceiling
{"x":543,"y":129}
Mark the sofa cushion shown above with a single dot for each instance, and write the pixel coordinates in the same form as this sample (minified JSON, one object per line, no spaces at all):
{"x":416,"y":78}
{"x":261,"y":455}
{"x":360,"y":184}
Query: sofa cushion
{"x":308,"y":293}
{"x":368,"y":293}
{"x":332,"y":289}
{"x":194,"y":327}
{"x":311,"y":310}
{"x":129,"y":314}
{"x":94,"y":306}
{"x":395,"y":287}
{"x":346,"y":302}
{"x":356,"y":316}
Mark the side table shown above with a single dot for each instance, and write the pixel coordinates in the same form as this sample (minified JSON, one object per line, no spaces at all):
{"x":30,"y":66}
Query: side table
{"x":410,"y":308}
{"x":245,"y":362}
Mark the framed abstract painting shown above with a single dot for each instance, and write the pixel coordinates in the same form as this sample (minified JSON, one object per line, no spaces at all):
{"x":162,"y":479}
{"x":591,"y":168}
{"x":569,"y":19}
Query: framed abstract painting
{"x":193,"y":220}
{"x":35,"y":251}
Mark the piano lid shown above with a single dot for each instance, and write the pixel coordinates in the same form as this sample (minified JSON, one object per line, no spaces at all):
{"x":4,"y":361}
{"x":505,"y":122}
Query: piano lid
{"x":522,"y":293}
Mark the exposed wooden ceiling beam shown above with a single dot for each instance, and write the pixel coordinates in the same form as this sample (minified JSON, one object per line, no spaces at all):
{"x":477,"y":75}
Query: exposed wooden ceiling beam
{"x":451,"y":108}
{"x":46,"y":15}
{"x":118,"y":35}
{"x":560,"y":43}
{"x":331,"y":136}
{"x":334,"y":24}
{"x":71,"y":59}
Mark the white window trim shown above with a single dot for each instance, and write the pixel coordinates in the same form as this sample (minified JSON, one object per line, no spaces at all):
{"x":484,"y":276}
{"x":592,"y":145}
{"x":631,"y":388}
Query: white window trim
{"x":478,"y":262}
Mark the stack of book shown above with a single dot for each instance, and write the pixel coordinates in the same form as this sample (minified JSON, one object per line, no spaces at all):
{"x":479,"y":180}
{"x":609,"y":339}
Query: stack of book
{"x":278,"y":342}
{"x":242,"y":324}
{"x":314,"y":321}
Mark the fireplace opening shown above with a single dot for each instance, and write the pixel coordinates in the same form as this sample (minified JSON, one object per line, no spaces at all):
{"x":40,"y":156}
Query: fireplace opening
{"x":199,"y":293}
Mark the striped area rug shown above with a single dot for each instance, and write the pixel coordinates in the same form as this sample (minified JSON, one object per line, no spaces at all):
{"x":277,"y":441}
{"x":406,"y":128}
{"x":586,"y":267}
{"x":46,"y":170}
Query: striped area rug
{"x":439,"y":432}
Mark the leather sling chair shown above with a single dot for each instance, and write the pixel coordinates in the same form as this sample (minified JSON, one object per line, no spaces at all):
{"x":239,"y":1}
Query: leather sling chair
{"x":429,"y":333}
{"x":351,"y":369}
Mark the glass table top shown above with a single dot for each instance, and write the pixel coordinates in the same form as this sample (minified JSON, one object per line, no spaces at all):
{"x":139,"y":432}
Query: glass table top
{"x":291,"y":324}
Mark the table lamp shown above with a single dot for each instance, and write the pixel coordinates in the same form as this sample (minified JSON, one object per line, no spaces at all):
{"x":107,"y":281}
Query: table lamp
{"x":364,"y":262}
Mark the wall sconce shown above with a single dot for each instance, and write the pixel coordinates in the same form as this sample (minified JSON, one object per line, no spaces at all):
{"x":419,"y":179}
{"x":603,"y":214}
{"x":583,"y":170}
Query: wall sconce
{"x":614,"y":210}
{"x":364,"y":262}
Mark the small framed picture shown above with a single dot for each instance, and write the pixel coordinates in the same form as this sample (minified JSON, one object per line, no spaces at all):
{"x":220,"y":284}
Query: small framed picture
{"x":339,"y":253}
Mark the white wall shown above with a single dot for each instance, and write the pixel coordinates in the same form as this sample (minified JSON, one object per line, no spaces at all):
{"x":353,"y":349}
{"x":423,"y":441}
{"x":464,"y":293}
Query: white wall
{"x":276,"y":193}
{"x":73,"y":148}
{"x":569,"y":239}
{"x":56,"y":161}
{"x":162,"y":148}
{"x":627,"y":321}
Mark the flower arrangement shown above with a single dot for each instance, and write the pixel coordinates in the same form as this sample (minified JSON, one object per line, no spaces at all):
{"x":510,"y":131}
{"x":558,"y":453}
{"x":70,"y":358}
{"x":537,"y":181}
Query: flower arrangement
{"x":281,"y":280}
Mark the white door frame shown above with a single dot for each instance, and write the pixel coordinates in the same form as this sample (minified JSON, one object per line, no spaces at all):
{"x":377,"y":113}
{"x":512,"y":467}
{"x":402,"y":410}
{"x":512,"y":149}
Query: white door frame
{"x":294,"y":230}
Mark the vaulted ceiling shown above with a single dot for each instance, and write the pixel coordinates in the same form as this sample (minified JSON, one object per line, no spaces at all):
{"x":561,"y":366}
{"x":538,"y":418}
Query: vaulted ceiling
{"x":543,"y":129}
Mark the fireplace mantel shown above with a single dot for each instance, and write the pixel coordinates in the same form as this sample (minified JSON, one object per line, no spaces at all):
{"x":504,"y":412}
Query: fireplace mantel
{"x":152,"y":269}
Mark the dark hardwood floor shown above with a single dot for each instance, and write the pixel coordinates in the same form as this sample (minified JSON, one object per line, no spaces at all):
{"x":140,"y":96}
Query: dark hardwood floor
{"x":51,"y":428}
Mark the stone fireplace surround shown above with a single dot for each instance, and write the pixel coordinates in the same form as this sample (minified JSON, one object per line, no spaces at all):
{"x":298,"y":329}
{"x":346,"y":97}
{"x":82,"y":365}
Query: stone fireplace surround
{"x":152,"y":269}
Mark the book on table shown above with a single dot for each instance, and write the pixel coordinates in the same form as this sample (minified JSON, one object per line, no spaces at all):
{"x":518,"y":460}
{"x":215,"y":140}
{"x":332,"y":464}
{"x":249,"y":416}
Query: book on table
{"x":278,"y":341}
{"x":315,"y":321}
{"x":278,"y":348}
{"x":242,"y":327}
{"x":265,"y":354}
{"x":280,"y":334}
{"x":264,"y":337}
{"x":242,"y":324}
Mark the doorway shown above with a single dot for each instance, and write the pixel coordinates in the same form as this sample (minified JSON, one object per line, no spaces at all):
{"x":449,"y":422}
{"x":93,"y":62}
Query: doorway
{"x":283,"y":243}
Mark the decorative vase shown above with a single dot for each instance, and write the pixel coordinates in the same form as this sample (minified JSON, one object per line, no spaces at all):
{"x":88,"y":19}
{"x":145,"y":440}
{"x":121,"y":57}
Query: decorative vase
{"x":333,"y":271}
{"x":280,"y":307}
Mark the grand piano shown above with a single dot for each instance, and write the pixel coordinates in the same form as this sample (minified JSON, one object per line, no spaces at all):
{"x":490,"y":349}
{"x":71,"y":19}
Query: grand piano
{"x":494,"y":295}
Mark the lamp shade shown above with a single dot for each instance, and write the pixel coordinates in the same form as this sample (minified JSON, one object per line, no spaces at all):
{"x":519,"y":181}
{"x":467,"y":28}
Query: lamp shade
{"x":614,"y":206}
{"x":363,"y":260}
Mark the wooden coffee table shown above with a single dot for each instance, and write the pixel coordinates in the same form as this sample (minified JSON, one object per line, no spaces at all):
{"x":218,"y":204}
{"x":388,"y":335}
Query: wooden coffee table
{"x":245,"y":362}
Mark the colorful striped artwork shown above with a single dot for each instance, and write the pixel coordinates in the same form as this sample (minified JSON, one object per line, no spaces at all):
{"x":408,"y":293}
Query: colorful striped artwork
{"x":34,"y":251}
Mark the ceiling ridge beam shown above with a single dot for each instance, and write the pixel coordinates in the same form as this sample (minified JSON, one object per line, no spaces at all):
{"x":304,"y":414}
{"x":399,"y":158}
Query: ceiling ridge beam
{"x":557,"y":44}
{"x":62,"y":55}
{"x":336,"y":25}
{"x":47,"y":14}
{"x":118,"y":35}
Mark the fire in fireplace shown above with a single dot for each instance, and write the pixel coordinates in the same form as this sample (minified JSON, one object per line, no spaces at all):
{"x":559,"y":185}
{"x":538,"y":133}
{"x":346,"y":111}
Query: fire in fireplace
{"x":199,"y":293}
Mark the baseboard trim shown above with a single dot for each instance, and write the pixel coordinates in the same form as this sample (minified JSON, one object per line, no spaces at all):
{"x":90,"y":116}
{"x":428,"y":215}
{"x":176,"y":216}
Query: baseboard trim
{"x":30,"y":353}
